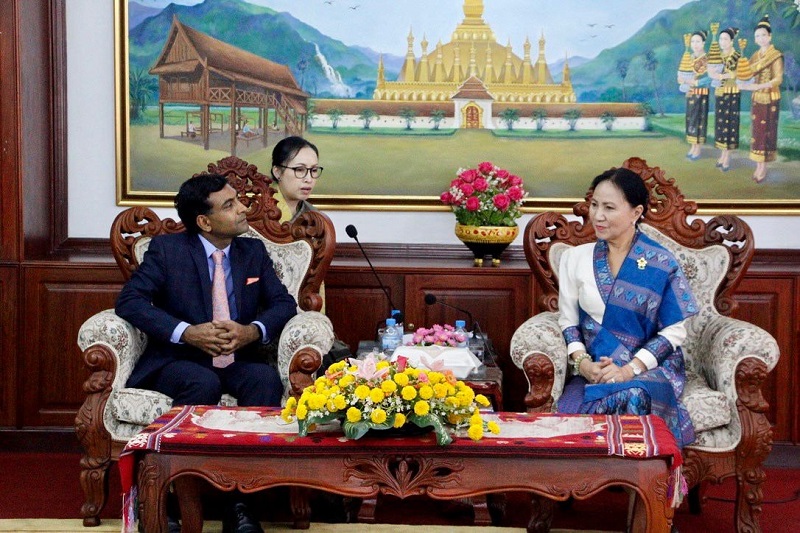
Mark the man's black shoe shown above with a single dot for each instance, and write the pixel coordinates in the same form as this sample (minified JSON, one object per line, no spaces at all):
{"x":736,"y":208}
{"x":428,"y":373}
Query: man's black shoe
{"x":238,"y":519}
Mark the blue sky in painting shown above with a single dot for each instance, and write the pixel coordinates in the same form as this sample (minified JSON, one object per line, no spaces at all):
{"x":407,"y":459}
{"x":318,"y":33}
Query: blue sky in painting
{"x":573,"y":27}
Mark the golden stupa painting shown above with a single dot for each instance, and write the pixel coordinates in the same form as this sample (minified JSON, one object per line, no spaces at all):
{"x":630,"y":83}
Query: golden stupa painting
{"x":473,"y":52}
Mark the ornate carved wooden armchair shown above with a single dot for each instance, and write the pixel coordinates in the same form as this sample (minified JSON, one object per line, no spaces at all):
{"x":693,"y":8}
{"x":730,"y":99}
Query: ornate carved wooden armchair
{"x":112,"y":414}
{"x":726,"y":359}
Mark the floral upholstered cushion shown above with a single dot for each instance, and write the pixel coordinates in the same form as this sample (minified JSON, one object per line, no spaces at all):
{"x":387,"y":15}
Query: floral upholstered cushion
{"x":138,"y":406}
{"x":291,"y":261}
{"x":707,"y":408}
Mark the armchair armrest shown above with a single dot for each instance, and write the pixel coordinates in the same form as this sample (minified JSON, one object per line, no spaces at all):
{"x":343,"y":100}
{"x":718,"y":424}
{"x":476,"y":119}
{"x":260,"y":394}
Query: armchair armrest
{"x":304,"y":340}
{"x":539,"y":349}
{"x":724,"y":344}
{"x":124,"y":343}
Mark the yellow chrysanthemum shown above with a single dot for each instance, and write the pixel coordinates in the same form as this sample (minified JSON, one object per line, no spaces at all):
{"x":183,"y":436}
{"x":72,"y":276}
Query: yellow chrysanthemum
{"x":409,"y":392}
{"x":475,"y":432}
{"x":291,"y":402}
{"x":316,"y":401}
{"x":399,"y":420}
{"x":346,"y":380}
{"x":388,"y":387}
{"x":452,"y":401}
{"x":362,"y":391}
{"x":340,"y":402}
{"x":302,"y":412}
{"x":286,"y":414}
{"x":482,"y":400}
{"x":381,"y":365}
{"x":493,"y":427}
{"x":440,"y":390}
{"x":378,"y":416}
{"x":353,"y":415}
{"x":330,"y":405}
{"x":401,"y":379}
{"x":426,"y":392}
{"x":422,"y":408}
{"x":337,"y":366}
{"x":475,"y":419}
{"x":435,"y":377}
{"x":322,"y":380}
{"x":463,"y":399}
{"x":376,"y":395}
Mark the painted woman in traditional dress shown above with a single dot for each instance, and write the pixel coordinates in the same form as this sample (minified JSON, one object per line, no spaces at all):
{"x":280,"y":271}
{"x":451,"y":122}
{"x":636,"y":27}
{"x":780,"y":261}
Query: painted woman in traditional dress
{"x":697,"y":96}
{"x":623,"y":301}
{"x":767,"y":67}
{"x":727,"y":103}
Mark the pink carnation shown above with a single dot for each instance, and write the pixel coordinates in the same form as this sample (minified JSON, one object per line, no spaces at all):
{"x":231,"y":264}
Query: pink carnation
{"x":468,"y":176}
{"x":481,"y":184}
{"x":485,"y":167}
{"x":473,"y":204}
{"x":501,"y":202}
{"x":515,"y":193}
{"x":467,"y":189}
{"x":502,"y":173}
{"x":446,"y":197}
{"x":514,"y":181}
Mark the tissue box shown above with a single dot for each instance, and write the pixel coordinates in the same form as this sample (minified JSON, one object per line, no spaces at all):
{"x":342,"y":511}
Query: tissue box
{"x":460,"y":361}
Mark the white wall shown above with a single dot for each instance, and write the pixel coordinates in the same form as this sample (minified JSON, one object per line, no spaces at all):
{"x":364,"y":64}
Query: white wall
{"x":91,"y":132}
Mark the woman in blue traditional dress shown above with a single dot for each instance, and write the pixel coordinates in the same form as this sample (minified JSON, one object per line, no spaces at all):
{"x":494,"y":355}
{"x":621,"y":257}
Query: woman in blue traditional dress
{"x":623,"y":301}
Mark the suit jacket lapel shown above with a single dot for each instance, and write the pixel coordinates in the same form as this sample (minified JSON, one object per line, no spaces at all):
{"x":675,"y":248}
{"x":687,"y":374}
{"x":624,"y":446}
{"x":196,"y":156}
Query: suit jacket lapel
{"x":198,"y":254}
{"x":237,"y":260}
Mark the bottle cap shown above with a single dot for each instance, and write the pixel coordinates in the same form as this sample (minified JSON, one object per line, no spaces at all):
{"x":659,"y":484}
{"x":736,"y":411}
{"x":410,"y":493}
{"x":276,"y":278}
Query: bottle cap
{"x":460,"y":323}
{"x":391,"y":322}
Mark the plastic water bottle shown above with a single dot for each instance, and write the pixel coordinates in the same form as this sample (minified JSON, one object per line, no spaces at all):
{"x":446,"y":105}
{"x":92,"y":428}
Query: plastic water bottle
{"x":399,"y":324}
{"x":391,"y":338}
{"x":461,"y":329}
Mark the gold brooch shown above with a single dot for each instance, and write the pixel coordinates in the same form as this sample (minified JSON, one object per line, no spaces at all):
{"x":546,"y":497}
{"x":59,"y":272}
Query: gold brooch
{"x":642,"y":262}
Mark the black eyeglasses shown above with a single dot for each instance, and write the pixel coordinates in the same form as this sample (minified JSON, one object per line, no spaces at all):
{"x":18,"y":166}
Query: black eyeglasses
{"x":301,"y":172}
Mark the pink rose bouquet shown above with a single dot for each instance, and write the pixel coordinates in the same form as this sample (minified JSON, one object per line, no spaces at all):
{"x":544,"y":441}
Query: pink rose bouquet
{"x":437,"y":335}
{"x":485,"y":196}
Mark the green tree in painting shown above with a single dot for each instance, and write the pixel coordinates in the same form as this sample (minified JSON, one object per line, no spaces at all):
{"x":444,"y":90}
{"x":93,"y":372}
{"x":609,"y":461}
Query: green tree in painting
{"x":622,"y":70}
{"x":142,"y":89}
{"x":509,"y":116}
{"x":409,"y":115}
{"x":645,"y":110}
{"x":650,"y":65}
{"x":539,"y":115}
{"x":311,"y":107}
{"x":368,"y":115}
{"x":608,"y":118}
{"x":437,"y":116}
{"x":335,"y":114}
{"x":572,"y":116}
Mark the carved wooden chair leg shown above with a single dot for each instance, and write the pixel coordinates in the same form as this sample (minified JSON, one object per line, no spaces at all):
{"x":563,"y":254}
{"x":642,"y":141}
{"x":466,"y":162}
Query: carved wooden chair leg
{"x":366,"y":513}
{"x":94,"y":481}
{"x":497,"y":507}
{"x":480,"y":509}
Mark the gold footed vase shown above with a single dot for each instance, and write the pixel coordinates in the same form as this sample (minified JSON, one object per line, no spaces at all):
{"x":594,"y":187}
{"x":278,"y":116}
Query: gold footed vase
{"x":486,"y":240}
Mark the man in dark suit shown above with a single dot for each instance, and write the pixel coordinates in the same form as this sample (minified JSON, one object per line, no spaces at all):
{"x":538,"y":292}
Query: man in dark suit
{"x":169,"y":297}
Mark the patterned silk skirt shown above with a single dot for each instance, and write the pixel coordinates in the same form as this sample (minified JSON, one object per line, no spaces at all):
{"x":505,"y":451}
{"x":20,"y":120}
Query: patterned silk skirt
{"x":764,"y":136}
{"x":696,"y":116}
{"x":726,"y":121}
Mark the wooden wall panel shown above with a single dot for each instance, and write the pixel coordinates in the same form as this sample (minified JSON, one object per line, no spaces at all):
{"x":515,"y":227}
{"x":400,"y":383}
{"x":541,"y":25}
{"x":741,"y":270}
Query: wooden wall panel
{"x":498,"y":300}
{"x":8,"y":346}
{"x":768,"y":303}
{"x":356,"y":304}
{"x":57,"y":300}
{"x":9,"y":135}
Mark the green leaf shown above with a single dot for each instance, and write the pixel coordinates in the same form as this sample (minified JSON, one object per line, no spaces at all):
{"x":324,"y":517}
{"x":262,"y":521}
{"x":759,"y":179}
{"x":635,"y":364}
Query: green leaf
{"x":443,"y":437}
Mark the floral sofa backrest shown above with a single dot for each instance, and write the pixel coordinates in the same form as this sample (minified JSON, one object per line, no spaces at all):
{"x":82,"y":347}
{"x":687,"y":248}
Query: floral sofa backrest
{"x":704,"y":268}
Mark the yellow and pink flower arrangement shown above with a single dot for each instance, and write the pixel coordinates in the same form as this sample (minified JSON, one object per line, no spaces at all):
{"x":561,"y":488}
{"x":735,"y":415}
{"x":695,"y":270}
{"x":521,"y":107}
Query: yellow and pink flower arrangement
{"x":485,"y":196}
{"x":369,"y":394}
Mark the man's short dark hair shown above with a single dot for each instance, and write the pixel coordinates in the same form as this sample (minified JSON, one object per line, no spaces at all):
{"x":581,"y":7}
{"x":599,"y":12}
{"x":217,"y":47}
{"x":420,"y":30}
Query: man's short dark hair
{"x":192,"y":198}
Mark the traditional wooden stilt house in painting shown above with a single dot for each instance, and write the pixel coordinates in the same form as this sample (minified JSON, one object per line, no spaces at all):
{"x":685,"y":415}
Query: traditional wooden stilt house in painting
{"x":197,"y":69}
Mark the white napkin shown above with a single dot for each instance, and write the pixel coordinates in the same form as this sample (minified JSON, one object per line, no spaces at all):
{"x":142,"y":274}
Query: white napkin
{"x":458,"y":360}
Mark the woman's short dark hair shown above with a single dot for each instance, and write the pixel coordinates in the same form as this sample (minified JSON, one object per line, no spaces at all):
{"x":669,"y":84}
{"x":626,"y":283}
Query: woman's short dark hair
{"x":630,"y":183}
{"x":287,"y":149}
{"x":192,"y":198}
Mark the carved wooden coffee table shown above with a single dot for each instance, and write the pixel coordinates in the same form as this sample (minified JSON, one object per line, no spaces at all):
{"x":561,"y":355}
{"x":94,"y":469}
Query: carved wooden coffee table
{"x":568,"y":466}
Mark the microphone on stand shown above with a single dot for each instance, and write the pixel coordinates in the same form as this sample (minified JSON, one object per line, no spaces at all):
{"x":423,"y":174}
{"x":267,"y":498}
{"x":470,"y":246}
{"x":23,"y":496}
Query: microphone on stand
{"x":352,"y":232}
{"x":431,"y":299}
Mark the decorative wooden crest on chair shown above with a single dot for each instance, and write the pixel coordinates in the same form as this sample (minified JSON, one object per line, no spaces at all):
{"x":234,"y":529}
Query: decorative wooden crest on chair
{"x":263,"y":215}
{"x":669,"y":213}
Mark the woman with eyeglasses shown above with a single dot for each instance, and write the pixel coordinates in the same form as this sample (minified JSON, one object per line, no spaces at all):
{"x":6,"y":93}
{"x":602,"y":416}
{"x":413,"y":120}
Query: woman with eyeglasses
{"x":295,"y":169}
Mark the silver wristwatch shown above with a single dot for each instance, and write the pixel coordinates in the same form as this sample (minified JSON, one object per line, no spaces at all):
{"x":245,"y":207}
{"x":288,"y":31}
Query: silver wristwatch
{"x":636,"y":369}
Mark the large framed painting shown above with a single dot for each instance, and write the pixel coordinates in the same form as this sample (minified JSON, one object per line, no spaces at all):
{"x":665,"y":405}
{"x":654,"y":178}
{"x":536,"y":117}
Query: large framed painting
{"x":398,"y":96}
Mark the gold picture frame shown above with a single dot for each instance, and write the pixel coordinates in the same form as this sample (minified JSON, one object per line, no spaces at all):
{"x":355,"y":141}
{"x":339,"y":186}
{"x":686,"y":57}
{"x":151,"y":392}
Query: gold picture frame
{"x":407,"y":170}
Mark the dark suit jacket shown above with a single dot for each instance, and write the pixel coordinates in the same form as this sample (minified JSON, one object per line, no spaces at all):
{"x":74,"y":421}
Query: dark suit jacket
{"x":172,"y":284}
